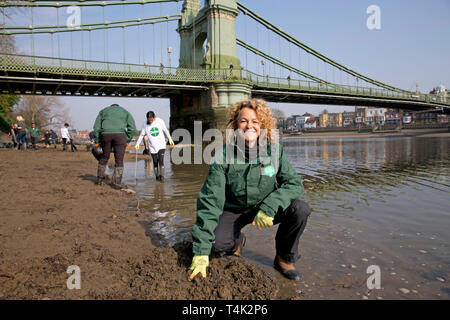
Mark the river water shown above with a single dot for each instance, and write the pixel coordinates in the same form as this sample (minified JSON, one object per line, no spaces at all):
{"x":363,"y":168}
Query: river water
{"x":380,"y":207}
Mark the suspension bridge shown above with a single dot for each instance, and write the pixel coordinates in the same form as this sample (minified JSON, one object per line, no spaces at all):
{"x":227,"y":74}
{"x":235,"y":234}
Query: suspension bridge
{"x":118,"y":49}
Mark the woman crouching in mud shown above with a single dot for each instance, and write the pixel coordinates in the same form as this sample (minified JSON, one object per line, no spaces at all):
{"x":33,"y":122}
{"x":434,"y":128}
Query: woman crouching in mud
{"x":250,"y":181}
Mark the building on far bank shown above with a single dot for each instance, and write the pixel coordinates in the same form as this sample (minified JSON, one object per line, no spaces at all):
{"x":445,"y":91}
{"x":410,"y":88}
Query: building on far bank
{"x":360,"y":115}
{"x":335,"y":119}
{"x":348,"y":118}
{"x":375,"y":116}
{"x":280,"y":124}
{"x":393,"y":117}
{"x":301,"y":120}
{"x":289,"y":124}
{"x":83,"y":134}
{"x":442,"y":118}
{"x":311,"y":123}
{"x":323,"y":119}
{"x":425,"y":117}
{"x":407,"y":118}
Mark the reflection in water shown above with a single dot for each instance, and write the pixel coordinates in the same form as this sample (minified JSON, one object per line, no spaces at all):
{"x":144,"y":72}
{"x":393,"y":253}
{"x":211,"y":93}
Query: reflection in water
{"x":392,"y":193}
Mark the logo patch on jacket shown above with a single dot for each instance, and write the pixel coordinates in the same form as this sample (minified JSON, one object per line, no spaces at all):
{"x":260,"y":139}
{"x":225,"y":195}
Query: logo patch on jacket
{"x":268,"y":171}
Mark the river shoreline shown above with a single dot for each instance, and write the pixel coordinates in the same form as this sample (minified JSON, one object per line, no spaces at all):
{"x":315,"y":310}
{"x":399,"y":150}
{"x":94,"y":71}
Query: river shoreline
{"x":424,"y":133}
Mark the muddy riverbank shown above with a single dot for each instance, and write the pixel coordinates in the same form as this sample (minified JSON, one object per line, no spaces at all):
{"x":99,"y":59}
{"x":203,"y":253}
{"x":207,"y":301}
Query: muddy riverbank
{"x":54,"y":216}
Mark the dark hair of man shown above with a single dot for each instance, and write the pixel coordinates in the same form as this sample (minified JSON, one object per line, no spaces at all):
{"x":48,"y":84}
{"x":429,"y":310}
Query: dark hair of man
{"x":150,"y":114}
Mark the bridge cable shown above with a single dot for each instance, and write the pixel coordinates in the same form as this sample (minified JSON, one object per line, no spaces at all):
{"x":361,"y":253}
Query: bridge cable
{"x":193,"y":40}
{"x":32,"y":35}
{"x":282,"y":64}
{"x":161,"y":36}
{"x":317,"y":54}
{"x":154,"y":46}
{"x":123,"y":36}
{"x":90,"y":45}
{"x":143,"y":36}
{"x":82,"y":34}
{"x":104,"y":35}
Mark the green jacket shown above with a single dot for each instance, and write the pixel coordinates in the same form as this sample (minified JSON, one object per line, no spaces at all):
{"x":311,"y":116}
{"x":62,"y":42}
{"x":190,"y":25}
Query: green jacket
{"x":114,"y":119}
{"x":267,"y":185}
{"x":34,"y":133}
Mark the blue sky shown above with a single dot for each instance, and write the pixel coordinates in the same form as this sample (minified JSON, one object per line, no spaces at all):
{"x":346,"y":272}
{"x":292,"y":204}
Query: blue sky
{"x":411,"y":47}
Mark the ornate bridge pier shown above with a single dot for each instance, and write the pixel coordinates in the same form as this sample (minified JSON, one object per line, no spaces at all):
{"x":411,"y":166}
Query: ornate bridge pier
{"x":208,"y":41}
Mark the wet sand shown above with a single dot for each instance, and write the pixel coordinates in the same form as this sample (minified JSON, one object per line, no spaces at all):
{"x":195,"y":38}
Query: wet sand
{"x":54,"y":216}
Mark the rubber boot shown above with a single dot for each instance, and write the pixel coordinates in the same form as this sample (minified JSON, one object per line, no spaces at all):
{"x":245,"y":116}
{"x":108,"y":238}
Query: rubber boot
{"x":117,"y":179}
{"x":100,"y":174}
{"x":156,"y":170}
{"x":161,"y":174}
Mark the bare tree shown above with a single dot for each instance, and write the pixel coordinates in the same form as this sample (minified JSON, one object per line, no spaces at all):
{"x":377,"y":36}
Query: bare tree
{"x":7,"y":42}
{"x":42,"y":110}
{"x":277,"y":113}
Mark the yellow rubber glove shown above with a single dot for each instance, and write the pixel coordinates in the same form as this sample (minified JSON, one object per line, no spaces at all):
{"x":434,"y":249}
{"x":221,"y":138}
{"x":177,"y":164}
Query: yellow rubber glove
{"x":199,"y":264}
{"x":262,"y":220}
{"x":171,"y":142}
{"x":136,"y":146}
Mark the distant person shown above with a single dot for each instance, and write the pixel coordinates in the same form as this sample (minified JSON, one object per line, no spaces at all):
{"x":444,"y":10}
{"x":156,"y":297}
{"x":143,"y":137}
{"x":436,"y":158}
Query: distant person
{"x":65,"y":136}
{"x":21,"y":133}
{"x":13,"y":135}
{"x":91,"y":136}
{"x":47,"y":137}
{"x":54,"y":137}
{"x":34,"y":135}
{"x":155,"y":130}
{"x":114,"y":127}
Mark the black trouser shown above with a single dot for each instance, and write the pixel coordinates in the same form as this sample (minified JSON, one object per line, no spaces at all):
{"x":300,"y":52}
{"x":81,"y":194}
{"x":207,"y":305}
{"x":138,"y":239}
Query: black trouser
{"x":64,"y":141}
{"x":110,"y":140}
{"x":158,"y":158}
{"x":292,"y":223}
{"x":72,"y":145}
{"x":33,"y":142}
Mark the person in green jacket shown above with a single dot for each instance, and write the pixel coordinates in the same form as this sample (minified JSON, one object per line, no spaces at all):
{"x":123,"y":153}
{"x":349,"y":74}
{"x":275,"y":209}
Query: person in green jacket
{"x":246,"y":185}
{"x":34,"y":134}
{"x":114,"y":127}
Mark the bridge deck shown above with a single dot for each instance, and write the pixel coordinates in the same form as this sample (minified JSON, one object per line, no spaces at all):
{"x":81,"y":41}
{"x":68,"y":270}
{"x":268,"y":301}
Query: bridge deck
{"x":22,"y":74}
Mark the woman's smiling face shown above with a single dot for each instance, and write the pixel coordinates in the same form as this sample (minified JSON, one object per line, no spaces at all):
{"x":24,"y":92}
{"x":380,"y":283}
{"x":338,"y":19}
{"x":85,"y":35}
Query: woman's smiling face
{"x":249,"y":125}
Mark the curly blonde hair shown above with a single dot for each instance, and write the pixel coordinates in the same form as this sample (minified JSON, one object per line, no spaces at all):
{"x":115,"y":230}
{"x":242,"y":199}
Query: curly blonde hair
{"x":263,"y":112}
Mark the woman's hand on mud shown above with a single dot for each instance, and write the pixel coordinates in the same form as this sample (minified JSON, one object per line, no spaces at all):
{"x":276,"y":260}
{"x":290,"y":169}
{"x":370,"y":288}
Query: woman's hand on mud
{"x":199,"y":264}
{"x":262,"y":220}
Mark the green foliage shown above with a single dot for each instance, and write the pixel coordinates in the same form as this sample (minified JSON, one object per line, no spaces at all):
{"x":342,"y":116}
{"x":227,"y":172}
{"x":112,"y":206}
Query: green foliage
{"x":7,"y":101}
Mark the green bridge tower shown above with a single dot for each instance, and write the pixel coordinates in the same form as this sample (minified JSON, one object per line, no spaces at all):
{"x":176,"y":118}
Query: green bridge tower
{"x":208,"y":41}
